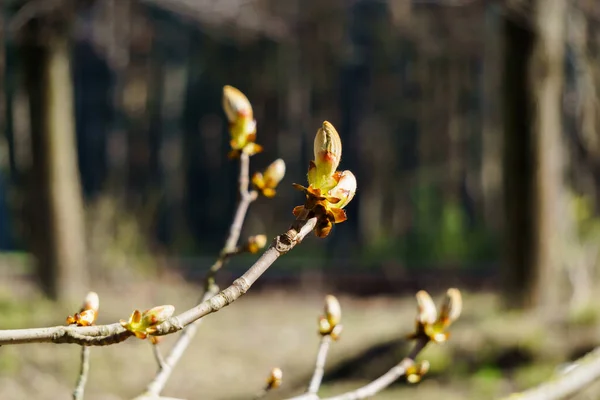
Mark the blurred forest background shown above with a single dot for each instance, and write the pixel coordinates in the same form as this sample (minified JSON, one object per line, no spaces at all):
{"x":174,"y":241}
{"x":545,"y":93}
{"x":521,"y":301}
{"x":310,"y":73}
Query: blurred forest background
{"x":471,"y":125}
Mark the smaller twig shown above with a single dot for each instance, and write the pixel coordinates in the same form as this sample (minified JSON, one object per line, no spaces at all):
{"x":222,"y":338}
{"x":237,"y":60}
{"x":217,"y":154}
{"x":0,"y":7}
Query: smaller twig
{"x":385,"y":380}
{"x":317,"y":377}
{"x":583,"y":372}
{"x":166,"y":365}
{"x":160,"y":360}
{"x":83,"y":373}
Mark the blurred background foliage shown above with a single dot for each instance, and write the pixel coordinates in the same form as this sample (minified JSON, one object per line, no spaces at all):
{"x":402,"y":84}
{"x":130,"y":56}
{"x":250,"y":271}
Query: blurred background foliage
{"x":472,"y":168}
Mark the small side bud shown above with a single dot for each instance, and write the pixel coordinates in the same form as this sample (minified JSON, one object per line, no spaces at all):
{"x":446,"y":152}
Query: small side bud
{"x":267,"y":182}
{"x":415,"y":372}
{"x":324,"y":326}
{"x":336,"y":332}
{"x":333,"y":310}
{"x":275,"y":378}
{"x":255,"y":243}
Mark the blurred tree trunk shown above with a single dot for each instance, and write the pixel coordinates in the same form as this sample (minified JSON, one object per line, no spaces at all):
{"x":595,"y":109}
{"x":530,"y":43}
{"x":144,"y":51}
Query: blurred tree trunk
{"x":533,"y":165}
{"x":55,"y":203}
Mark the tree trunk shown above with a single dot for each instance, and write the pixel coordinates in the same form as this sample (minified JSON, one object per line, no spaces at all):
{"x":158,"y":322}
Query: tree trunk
{"x":56,"y":207}
{"x":533,"y":77}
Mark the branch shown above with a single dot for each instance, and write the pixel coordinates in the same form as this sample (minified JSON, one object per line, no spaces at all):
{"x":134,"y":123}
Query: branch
{"x":317,"y":377}
{"x":210,"y":288}
{"x":102,"y":335}
{"x":581,"y":373}
{"x":160,"y":359}
{"x":378,"y":384}
{"x":83,"y":374}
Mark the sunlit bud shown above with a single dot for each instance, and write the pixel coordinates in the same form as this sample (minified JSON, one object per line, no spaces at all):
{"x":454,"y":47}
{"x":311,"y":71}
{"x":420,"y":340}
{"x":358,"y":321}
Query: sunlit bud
{"x":235,"y":104}
{"x":156,"y":339}
{"x":336,"y":332}
{"x":255,"y":243}
{"x":274,"y":173}
{"x":83,"y":318}
{"x":92,"y":302}
{"x":275,"y":378}
{"x":451,"y":307}
{"x":415,"y":372}
{"x":344,"y":191}
{"x":268,"y":181}
{"x":328,"y":153}
{"x":157,"y":315}
{"x":324,"y":326}
{"x":142,"y":324}
{"x":333,"y":310}
{"x":426,"y":311}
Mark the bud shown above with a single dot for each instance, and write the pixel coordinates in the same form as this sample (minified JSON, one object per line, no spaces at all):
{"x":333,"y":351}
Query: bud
{"x":236,"y":105}
{"x":88,"y":313}
{"x":92,"y":302}
{"x":268,"y":181}
{"x":333,"y":310}
{"x":324,"y":326}
{"x":426,"y":311}
{"x":242,"y":125}
{"x":328,"y":154}
{"x":275,"y":378}
{"x":344,"y":191}
{"x":415,"y":372}
{"x":142,"y":324}
{"x":336,"y":332}
{"x":255,"y":243}
{"x":274,"y":173}
{"x":451,"y":307}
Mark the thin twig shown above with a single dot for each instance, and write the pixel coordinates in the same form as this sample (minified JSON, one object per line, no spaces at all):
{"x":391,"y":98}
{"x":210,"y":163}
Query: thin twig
{"x":583,"y":372}
{"x":83,"y":374}
{"x":317,"y":377}
{"x":210,"y":288}
{"x":166,"y":367}
{"x":160,"y":359}
{"x":378,"y":384}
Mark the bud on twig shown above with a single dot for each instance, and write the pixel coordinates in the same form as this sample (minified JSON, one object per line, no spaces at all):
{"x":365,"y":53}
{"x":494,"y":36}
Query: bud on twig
{"x":329,"y":191}
{"x":275,"y":379}
{"x":430,"y":324}
{"x":144,"y":324}
{"x":88,"y":312}
{"x":267,"y":182}
{"x":242,"y":125}
{"x":255,"y":243}
{"x":415,"y":372}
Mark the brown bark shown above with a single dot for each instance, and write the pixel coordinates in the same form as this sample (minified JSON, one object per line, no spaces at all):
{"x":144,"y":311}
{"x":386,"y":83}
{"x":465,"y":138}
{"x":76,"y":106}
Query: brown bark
{"x":55,"y":201}
{"x":533,"y":77}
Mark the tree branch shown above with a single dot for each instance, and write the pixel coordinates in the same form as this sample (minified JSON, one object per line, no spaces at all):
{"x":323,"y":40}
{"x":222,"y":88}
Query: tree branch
{"x":83,"y":374}
{"x":317,"y":377}
{"x":102,"y":335}
{"x":581,"y":373}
